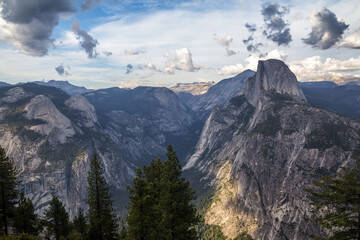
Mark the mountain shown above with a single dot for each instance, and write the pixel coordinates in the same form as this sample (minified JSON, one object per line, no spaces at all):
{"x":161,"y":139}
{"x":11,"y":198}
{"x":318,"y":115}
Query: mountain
{"x":4,"y":84}
{"x":256,"y":156}
{"x":218,"y":95}
{"x":51,"y":136}
{"x":196,"y":88}
{"x":65,"y":86}
{"x":144,"y":120}
{"x":321,"y":84}
{"x":344,"y":99}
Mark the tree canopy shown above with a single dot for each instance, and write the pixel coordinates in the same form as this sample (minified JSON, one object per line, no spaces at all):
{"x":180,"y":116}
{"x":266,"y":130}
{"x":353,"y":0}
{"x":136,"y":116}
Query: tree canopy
{"x":57,"y":219}
{"x":8,"y":189}
{"x":102,"y":220}
{"x":336,"y":204}
{"x":161,"y":202}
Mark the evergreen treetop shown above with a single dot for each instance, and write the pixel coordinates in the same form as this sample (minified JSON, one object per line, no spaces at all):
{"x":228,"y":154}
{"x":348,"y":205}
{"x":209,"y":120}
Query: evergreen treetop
{"x":102,"y":221}
{"x":57,"y":219}
{"x":25,"y":218}
{"x":8,"y":189}
{"x":336,"y":204}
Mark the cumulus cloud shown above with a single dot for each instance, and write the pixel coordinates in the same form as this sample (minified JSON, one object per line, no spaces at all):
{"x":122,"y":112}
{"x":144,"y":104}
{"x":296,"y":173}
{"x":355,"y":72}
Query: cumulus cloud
{"x":182,"y":61}
{"x":252,"y":62}
{"x":316,"y":67}
{"x":62,"y":70}
{"x":130,"y":51}
{"x":225,"y":42}
{"x":251,"y":44}
{"x":352,"y":41}
{"x":326,"y":29}
{"x":129,"y":68}
{"x":128,"y":84}
{"x":151,"y":67}
{"x":277,"y":29}
{"x":28,"y":25}
{"x":87,"y":42}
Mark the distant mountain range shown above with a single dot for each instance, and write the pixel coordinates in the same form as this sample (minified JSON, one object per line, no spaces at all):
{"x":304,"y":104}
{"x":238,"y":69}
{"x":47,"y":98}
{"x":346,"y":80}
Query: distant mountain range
{"x":250,"y":145}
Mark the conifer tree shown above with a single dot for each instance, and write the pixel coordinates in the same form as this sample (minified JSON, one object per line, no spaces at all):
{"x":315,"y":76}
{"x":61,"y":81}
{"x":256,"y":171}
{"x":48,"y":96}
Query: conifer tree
{"x":139,"y":217}
{"x":57,"y":219}
{"x":80,"y":223}
{"x":179,"y":216}
{"x":336,"y":204}
{"x":101,"y":218}
{"x":160,"y":203}
{"x":8,"y":189}
{"x":25,"y":218}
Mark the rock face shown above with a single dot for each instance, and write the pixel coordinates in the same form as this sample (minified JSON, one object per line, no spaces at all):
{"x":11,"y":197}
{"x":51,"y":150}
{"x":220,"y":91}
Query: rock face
{"x":87,"y":111}
{"x":218,"y":95}
{"x":55,"y":123}
{"x":272,"y":75}
{"x":196,"y":88}
{"x":259,"y":154}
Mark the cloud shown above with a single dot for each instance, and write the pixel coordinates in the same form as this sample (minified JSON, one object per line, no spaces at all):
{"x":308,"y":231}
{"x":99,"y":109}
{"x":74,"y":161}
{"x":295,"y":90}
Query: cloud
{"x":252,"y":62}
{"x":128,"y":84}
{"x":129,"y":68}
{"x":315,"y":67}
{"x":250,"y":27}
{"x":28,"y":25}
{"x":87,"y":42}
{"x":106,"y":53}
{"x":225,"y":42}
{"x":326,"y":29}
{"x":182,"y":61}
{"x":352,"y":41}
{"x":251,"y":44}
{"x":88,"y":4}
{"x":62,"y":71}
{"x":277,"y":29}
{"x":150,"y":66}
{"x":130,"y":51}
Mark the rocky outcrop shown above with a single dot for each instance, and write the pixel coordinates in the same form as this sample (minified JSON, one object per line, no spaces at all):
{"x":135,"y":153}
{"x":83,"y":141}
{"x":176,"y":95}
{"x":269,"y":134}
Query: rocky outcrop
{"x":87,"y":111}
{"x":196,"y":88}
{"x":56,"y":123}
{"x":272,"y":76}
{"x":218,"y":95}
{"x":263,"y":150}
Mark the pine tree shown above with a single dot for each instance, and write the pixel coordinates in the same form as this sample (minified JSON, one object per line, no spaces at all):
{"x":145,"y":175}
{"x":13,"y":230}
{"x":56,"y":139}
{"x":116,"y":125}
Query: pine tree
{"x":336,"y":204}
{"x":8,"y":189}
{"x":80,"y":223}
{"x":160,"y":203}
{"x":179,"y":216}
{"x":25,"y":218}
{"x":102,"y":220}
{"x":57,"y":219}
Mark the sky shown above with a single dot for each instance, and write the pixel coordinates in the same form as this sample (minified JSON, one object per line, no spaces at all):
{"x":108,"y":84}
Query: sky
{"x":128,"y":43}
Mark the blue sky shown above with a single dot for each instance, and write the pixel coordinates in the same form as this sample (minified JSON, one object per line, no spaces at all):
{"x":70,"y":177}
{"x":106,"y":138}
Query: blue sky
{"x":128,"y":43}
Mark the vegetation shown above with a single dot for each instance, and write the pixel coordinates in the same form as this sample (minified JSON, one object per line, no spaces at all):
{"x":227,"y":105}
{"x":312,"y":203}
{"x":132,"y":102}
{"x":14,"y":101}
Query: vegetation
{"x":270,"y":126}
{"x":103,"y":224}
{"x":327,"y":136}
{"x":336,"y":203}
{"x":80,"y":224}
{"x":8,"y":189}
{"x":57,"y":219}
{"x":207,"y":232}
{"x":160,"y":202}
{"x":25,"y":218}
